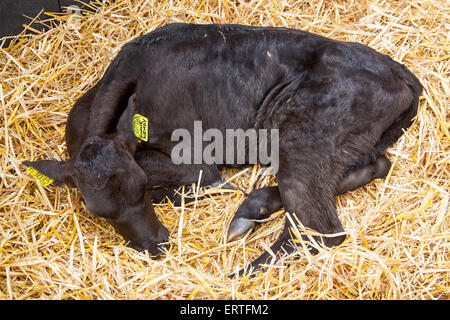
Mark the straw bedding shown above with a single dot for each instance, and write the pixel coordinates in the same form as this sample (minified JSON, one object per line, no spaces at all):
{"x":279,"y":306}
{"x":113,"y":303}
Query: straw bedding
{"x":398,"y":235}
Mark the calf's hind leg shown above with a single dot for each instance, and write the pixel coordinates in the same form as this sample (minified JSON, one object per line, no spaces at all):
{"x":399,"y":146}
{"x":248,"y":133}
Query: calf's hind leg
{"x":307,"y":179}
{"x":261,"y":203}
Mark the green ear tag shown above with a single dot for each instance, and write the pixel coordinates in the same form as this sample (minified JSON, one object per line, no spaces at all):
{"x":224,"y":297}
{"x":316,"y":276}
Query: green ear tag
{"x":140,"y":127}
{"x":42,"y":178}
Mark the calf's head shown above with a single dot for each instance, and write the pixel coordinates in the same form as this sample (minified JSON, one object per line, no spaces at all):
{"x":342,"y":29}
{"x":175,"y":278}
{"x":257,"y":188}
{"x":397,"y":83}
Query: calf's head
{"x":114,"y":187}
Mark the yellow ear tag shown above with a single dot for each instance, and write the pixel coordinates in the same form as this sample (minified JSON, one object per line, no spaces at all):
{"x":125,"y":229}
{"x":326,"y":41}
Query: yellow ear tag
{"x":42,"y":178}
{"x":140,"y":127}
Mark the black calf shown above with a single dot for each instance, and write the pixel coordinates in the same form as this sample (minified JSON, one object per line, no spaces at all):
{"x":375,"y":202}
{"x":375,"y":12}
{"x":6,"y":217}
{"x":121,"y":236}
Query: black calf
{"x":337,"y":107}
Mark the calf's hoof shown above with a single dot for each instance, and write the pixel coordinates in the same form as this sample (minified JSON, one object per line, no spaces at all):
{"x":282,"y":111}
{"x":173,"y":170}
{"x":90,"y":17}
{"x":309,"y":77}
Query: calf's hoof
{"x":239,"y":227}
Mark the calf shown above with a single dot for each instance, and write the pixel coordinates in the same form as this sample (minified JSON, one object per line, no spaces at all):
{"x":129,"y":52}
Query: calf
{"x":337,"y":106}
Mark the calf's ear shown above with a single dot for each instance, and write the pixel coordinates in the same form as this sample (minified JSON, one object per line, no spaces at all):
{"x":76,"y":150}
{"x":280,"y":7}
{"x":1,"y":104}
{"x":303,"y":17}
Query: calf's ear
{"x":59,"y":172}
{"x":125,"y":129}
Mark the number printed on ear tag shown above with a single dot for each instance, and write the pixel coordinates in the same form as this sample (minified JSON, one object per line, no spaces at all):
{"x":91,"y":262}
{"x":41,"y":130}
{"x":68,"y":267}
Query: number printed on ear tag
{"x":42,"y":178}
{"x":140,"y":127}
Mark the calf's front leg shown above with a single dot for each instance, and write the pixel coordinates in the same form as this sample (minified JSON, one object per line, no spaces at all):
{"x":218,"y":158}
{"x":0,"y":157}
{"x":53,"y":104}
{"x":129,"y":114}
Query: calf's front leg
{"x":167,"y":176}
